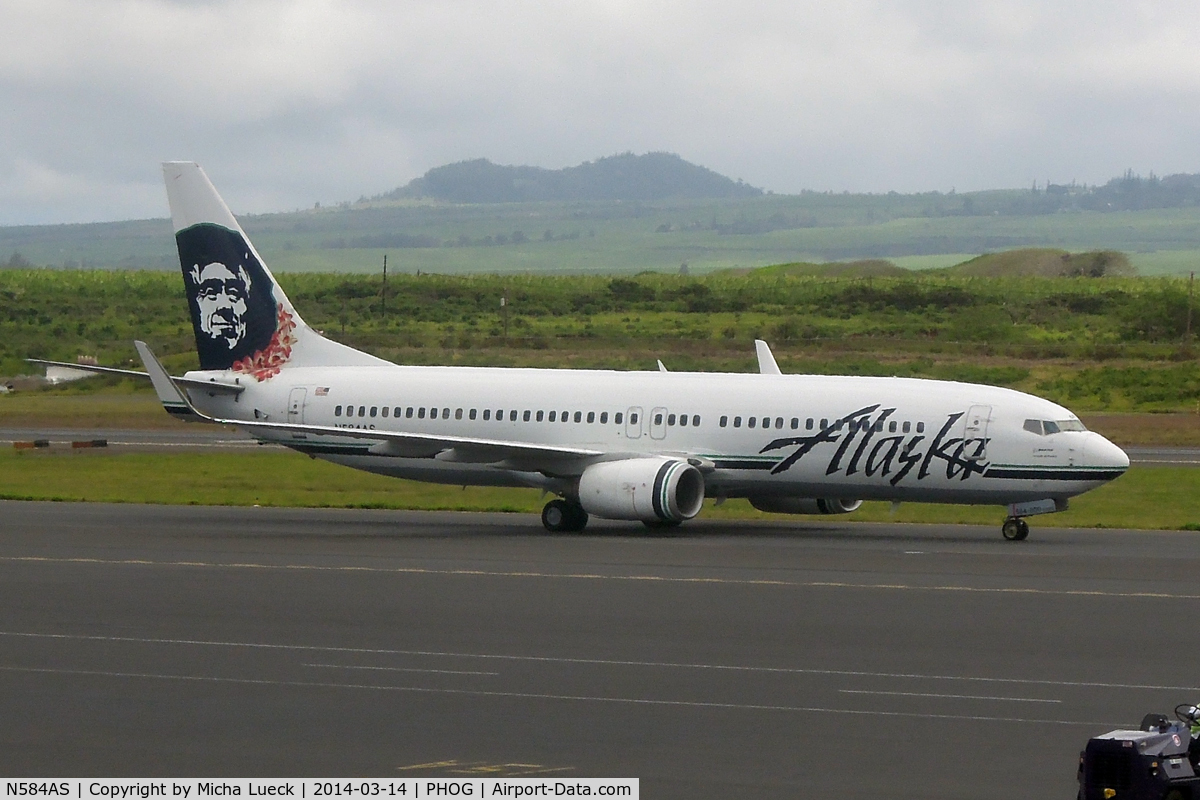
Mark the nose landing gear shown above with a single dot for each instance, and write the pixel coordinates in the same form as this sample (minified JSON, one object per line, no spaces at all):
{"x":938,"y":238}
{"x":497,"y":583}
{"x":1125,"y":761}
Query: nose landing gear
{"x":1014,"y":529}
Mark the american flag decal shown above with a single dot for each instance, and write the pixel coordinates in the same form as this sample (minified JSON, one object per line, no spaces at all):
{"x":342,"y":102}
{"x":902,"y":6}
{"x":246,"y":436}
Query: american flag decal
{"x":322,"y":391}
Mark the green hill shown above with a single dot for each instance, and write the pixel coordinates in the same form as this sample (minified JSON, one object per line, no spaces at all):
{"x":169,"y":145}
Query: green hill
{"x":653,"y":176}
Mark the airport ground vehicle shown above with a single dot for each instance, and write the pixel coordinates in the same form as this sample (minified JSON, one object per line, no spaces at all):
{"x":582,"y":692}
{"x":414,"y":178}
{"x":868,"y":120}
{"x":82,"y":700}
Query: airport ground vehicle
{"x":1159,"y":762}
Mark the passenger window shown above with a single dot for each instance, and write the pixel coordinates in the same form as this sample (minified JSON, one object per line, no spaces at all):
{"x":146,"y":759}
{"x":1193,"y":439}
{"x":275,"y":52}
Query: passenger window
{"x":525,"y":416}
{"x":695,"y":420}
{"x":920,"y":427}
{"x":553,"y":416}
{"x":337,"y":411}
{"x":671,"y":419}
{"x":512,"y":415}
{"x":445,"y":413}
{"x":737,"y":422}
{"x":658,"y":419}
{"x":824,"y":424}
{"x":591,"y":417}
{"x":766,"y":422}
{"x":472,"y":414}
{"x":618,"y":417}
{"x":723,"y":421}
{"x":458,"y":413}
{"x":892,"y":426}
{"x":808,"y":424}
{"x":879,"y":426}
{"x":683,"y":419}
{"x":362,"y":411}
{"x":633,"y":419}
{"x":541,"y":415}
{"x":751,"y":422}
{"x":907,"y":427}
{"x":795,"y":423}
{"x":578,"y":416}
{"x":408,"y":412}
{"x":384,"y":411}
{"x":374,"y":410}
{"x":499,"y":415}
{"x":421,"y":412}
{"x":487,"y":414}
{"x":779,"y":422}
{"x":603,"y":417}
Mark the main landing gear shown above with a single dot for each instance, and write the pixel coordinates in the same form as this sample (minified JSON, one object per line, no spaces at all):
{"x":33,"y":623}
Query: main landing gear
{"x":564,"y":516}
{"x":1014,"y":529}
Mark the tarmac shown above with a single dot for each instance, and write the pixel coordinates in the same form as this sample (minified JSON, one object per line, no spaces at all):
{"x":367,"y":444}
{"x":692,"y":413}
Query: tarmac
{"x":815,"y":658}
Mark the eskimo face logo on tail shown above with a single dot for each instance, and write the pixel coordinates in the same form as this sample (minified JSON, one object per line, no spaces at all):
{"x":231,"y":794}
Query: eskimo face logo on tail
{"x":221,"y":297}
{"x":238,"y":323}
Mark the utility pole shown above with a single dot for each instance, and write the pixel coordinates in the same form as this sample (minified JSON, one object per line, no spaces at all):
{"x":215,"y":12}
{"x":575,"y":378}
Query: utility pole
{"x":384,"y":303}
{"x":1188,"y":331}
{"x":504,"y":313}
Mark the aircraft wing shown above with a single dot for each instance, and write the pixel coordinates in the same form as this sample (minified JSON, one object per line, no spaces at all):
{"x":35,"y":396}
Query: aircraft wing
{"x":515,"y":455}
{"x":192,"y":383}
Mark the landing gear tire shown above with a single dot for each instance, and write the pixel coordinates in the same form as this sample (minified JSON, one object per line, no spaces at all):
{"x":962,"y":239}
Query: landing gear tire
{"x":1015,"y":529}
{"x":562,"y":516}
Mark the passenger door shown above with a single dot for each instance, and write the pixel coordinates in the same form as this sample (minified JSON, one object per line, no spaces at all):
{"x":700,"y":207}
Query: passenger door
{"x":975,"y":433}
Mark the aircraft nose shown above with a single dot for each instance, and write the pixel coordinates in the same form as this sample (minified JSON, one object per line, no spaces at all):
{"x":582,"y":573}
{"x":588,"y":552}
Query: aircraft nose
{"x":1100,"y":452}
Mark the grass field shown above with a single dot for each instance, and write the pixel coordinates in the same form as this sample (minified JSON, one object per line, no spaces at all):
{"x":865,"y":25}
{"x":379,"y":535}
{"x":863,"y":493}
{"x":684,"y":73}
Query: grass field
{"x":1146,"y":497}
{"x":1110,"y":344}
{"x":627,"y":238}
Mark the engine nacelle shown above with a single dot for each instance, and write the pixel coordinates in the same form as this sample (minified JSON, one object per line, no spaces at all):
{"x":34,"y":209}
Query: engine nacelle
{"x":649,"y":489}
{"x":804,"y":505}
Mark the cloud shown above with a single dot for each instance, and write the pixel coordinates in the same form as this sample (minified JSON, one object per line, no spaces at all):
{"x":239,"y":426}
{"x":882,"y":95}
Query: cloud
{"x":291,"y":102}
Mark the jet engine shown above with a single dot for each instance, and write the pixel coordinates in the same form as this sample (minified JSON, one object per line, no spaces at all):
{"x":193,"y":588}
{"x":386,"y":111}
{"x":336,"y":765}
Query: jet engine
{"x":804,"y":505}
{"x":648,"y":489}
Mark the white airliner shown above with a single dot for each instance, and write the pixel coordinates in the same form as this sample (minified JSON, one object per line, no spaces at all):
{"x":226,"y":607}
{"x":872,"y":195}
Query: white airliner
{"x":646,"y":446}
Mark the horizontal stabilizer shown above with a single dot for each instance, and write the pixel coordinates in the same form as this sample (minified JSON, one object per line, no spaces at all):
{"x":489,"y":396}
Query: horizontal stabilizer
{"x":212,"y":386}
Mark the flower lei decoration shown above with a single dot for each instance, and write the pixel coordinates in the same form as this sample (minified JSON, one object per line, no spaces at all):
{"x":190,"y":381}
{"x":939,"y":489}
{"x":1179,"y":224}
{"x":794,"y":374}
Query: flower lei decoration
{"x":267,"y":362}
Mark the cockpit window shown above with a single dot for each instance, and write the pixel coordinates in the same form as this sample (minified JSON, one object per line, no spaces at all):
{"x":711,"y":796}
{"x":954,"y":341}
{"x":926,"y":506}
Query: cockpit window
{"x":1045,"y":427}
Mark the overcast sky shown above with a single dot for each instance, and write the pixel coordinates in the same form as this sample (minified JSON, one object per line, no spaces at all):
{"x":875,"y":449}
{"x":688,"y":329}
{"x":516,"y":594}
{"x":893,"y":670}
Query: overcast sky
{"x":286,"y":103}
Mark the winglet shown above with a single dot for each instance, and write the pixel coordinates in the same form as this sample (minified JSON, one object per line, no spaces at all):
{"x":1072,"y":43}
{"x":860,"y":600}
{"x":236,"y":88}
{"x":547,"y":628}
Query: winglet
{"x":766,"y":361}
{"x":661,"y":366}
{"x":168,"y":393}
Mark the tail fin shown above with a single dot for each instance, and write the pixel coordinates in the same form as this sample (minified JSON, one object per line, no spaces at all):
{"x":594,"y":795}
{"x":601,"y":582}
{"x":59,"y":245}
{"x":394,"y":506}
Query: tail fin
{"x":241,"y":318}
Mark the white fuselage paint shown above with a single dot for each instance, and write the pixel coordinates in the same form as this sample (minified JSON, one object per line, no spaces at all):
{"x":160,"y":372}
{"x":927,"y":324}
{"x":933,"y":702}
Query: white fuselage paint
{"x":921,"y":440}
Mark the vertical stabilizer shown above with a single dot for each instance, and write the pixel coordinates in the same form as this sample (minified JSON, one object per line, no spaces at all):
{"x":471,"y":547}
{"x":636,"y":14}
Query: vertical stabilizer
{"x":242,"y":319}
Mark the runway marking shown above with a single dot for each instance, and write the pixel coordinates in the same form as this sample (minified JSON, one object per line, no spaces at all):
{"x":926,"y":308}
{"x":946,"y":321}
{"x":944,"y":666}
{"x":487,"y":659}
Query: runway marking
{"x":609,"y":662}
{"x":483,"y":768}
{"x":1014,"y":590}
{"x":403,"y":669}
{"x":637,"y":701}
{"x":949,"y":696}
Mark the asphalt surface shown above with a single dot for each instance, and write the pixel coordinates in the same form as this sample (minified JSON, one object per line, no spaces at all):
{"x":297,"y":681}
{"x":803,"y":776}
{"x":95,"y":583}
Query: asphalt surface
{"x":198,"y":437}
{"x":812,"y":659}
